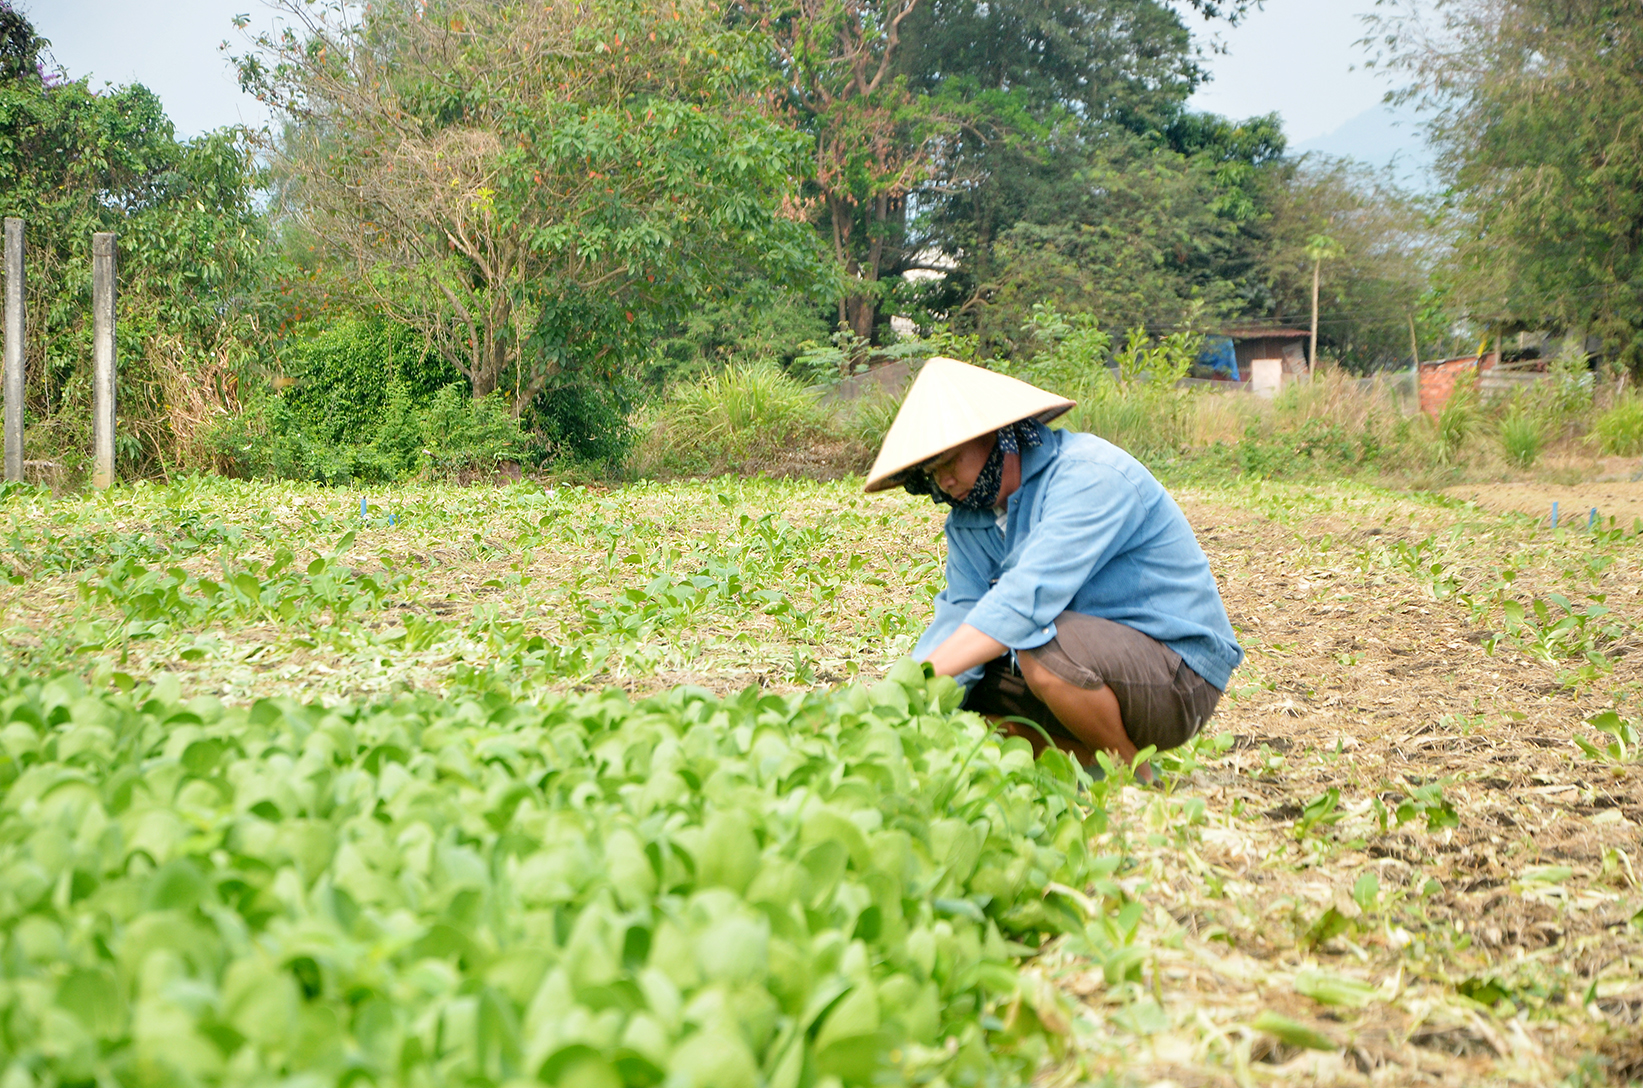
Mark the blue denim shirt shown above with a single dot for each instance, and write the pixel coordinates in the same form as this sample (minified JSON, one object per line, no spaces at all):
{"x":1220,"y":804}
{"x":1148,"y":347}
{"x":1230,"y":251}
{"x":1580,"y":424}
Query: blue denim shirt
{"x":1089,"y":530}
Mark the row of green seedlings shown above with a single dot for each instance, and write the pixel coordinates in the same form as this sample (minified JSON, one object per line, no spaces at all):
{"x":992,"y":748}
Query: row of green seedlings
{"x":752,"y":891}
{"x":36,"y":552}
{"x":794,"y":576}
{"x":1576,"y":638}
{"x":734,"y":580}
{"x":1402,"y":911}
{"x":63,"y":546}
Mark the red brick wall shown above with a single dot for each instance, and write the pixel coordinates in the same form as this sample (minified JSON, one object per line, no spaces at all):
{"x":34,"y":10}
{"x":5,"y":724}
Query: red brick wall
{"x":1438,"y":379}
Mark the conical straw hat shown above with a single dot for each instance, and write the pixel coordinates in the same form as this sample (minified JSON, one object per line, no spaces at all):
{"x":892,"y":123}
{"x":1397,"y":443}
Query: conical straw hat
{"x":949,"y":404}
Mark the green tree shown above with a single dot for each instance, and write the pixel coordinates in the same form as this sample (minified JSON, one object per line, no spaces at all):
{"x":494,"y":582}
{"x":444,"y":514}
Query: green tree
{"x":1141,"y":248}
{"x":951,"y":106}
{"x":1533,"y":106}
{"x":20,"y":46}
{"x":1377,"y":273}
{"x":1040,"y":84}
{"x":532,"y":186}
{"x":1319,"y":247}
{"x":1078,"y":161}
{"x":73,"y":162}
{"x":873,"y":139}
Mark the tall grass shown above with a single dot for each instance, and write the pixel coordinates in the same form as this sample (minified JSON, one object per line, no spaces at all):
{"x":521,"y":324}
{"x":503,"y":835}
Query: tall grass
{"x":1142,"y":426}
{"x":743,"y":419}
{"x":755,"y":419}
{"x":1522,"y":433}
{"x":1619,"y":430}
{"x":867,"y":420}
{"x":1333,"y":422}
{"x":1456,"y":418}
{"x":1137,"y":405}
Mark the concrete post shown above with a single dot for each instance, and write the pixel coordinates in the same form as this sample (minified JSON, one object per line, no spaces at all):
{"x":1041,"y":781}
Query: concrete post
{"x":103,"y":348}
{"x":15,"y":334}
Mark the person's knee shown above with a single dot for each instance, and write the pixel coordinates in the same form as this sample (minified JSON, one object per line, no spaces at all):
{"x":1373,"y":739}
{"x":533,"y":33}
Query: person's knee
{"x":1045,"y":682}
{"x":1039,"y":679}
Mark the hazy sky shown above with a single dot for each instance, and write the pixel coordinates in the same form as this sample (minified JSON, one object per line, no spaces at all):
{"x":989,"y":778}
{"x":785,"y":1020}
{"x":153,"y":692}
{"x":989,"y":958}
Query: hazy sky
{"x":1292,"y":56}
{"x":1298,"y":57}
{"x":170,"y":46}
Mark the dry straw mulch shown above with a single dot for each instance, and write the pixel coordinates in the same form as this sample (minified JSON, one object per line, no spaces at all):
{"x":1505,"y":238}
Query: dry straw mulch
{"x":1506,"y":948}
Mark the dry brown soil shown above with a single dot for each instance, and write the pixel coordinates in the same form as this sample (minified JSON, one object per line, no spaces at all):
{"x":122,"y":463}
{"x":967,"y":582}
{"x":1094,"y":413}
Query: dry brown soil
{"x":1620,"y":499}
{"x":1361,"y":679}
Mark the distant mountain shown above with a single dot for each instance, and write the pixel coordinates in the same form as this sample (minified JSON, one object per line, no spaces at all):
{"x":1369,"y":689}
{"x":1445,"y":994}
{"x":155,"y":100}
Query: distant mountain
{"x":1381,"y":136}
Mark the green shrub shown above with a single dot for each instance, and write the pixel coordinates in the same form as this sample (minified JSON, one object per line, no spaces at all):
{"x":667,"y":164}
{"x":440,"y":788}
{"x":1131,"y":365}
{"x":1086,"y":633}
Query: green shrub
{"x":447,"y":435}
{"x":1070,"y":352}
{"x":1138,"y":408}
{"x":1619,"y":431}
{"x":742,"y":419}
{"x":846,"y":355}
{"x":748,"y":326}
{"x":341,"y":379}
{"x":368,"y":402}
{"x":1311,"y":445}
{"x":459,"y":434}
{"x":1522,"y":434}
{"x":1566,"y":392}
{"x":585,"y":419}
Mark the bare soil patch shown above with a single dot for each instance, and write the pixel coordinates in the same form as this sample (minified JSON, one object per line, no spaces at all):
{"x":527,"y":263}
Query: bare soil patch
{"x":1620,"y":499}
{"x":1504,"y":940}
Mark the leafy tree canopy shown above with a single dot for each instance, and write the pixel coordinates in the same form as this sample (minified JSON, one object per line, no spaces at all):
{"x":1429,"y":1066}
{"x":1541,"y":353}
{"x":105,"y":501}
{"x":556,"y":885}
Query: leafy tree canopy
{"x":73,"y":162}
{"x":20,"y":46}
{"x":533,"y":186}
{"x":1533,"y":107}
{"x":1076,"y":147}
{"x":939,"y":110}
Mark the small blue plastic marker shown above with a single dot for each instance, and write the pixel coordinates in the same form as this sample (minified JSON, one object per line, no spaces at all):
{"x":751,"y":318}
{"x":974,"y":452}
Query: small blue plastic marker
{"x":1591,"y":519}
{"x":1554,"y":515}
{"x":392,"y":522}
{"x":362,"y":511}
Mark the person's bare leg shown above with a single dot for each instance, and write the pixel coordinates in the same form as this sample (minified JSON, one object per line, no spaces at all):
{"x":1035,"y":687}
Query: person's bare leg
{"x":1091,"y":715}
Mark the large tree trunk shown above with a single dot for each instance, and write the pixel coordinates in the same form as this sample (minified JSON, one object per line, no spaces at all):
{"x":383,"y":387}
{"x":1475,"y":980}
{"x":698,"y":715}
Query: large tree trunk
{"x":866,"y":261}
{"x":860,"y":311}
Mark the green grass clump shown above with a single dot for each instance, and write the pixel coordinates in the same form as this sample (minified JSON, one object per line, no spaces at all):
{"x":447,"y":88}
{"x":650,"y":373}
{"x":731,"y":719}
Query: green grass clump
{"x":744,"y":419}
{"x":866,"y":421}
{"x":1521,"y":435}
{"x":1143,"y":425}
{"x":1457,"y":419}
{"x":761,"y":890}
{"x":1619,"y":431}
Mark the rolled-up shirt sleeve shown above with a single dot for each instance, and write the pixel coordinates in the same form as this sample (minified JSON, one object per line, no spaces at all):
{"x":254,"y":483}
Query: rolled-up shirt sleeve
{"x":1089,"y":511}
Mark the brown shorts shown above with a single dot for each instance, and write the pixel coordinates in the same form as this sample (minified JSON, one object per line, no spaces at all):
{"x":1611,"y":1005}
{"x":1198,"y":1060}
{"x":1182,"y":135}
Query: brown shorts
{"x":1161,"y":700}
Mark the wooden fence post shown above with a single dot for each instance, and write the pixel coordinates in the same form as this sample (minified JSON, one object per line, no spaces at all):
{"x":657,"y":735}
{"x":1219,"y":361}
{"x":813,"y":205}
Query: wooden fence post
{"x":103,"y":347}
{"x":15,"y":333}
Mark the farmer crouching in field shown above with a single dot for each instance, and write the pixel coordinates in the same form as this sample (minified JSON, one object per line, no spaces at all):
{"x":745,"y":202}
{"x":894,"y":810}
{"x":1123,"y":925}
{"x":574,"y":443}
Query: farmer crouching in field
{"x":1077,"y":596}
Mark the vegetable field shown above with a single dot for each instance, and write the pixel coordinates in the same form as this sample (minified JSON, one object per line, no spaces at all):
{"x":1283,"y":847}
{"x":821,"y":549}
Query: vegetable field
{"x":526,"y":784}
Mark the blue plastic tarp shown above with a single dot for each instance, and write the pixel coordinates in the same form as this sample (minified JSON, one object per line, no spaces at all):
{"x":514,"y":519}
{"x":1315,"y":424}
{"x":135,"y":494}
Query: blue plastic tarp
{"x":1219,"y":358}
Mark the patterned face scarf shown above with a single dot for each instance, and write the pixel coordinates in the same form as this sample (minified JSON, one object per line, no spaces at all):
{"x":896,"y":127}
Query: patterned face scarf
{"x":983,"y":494}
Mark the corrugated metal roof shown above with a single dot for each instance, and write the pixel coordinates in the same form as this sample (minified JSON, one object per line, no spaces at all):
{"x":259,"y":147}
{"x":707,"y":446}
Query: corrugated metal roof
{"x":1256,"y":332}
